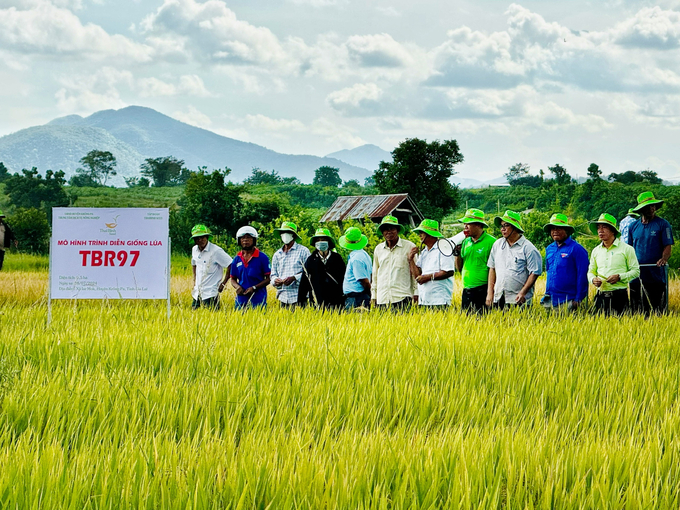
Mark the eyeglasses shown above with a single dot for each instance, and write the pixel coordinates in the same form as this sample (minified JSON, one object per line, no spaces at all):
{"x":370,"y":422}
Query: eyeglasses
{"x":505,"y":225}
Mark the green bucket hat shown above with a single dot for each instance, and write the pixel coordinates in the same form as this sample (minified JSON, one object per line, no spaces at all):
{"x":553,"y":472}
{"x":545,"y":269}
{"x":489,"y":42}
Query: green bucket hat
{"x":390,"y":221}
{"x":323,"y":232}
{"x":287,"y":227}
{"x":353,"y":239}
{"x":645,"y":199}
{"x":561,"y":221}
{"x":429,"y":227}
{"x":200,"y":230}
{"x":473,"y":216}
{"x":631,"y":212}
{"x":2,"y":214}
{"x":605,"y":219}
{"x":509,"y":217}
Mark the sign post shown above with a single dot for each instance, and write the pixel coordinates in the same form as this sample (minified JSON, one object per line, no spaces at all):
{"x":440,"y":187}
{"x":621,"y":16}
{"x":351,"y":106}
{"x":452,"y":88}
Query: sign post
{"x":99,"y":253}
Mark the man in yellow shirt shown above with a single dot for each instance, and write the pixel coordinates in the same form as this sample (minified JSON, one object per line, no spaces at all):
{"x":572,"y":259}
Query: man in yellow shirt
{"x":393,"y":285}
{"x":613,"y":265}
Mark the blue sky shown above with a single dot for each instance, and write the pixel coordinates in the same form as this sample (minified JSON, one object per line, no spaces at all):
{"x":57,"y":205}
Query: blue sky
{"x":539,"y":82}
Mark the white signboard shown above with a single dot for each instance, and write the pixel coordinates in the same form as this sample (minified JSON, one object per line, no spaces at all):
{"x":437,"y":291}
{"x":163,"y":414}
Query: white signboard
{"x":109,"y":253}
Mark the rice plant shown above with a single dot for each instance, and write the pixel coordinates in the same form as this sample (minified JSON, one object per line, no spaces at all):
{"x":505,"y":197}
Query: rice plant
{"x":113,"y":405}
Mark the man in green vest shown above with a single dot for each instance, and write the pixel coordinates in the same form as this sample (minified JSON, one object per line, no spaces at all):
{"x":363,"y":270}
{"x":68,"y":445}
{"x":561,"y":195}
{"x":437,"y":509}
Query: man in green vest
{"x":472,"y":257}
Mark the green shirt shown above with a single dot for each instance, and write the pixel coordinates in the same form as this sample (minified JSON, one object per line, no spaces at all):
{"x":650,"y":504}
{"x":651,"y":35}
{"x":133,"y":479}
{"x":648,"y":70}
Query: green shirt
{"x":618,"y":259}
{"x":475,"y":255}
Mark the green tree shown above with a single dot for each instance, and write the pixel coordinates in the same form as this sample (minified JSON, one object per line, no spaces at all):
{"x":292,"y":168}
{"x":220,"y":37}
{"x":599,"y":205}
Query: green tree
{"x":650,"y":176}
{"x":100,"y":166}
{"x":561,"y":175}
{"x":594,"y":172}
{"x":4,"y":173}
{"x":516,"y":172}
{"x":423,"y":170}
{"x":209,"y":199}
{"x":263,"y":177}
{"x":32,"y":229}
{"x":165,"y":171}
{"x":31,"y":190}
{"x":327,"y":176}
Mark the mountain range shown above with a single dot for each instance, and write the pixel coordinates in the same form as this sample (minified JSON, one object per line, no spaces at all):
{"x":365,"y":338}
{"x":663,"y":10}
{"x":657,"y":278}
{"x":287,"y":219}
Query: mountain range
{"x":136,"y":133}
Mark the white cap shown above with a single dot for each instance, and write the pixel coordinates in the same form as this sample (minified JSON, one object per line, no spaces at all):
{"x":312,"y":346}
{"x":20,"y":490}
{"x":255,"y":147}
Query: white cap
{"x":246,"y":230}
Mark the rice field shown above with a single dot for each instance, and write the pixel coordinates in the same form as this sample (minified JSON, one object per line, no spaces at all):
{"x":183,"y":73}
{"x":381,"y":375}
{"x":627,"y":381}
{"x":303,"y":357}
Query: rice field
{"x":114,"y":406}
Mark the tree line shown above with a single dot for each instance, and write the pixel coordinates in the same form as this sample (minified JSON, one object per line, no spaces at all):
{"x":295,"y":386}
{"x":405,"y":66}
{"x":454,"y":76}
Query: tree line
{"x":422,"y":169}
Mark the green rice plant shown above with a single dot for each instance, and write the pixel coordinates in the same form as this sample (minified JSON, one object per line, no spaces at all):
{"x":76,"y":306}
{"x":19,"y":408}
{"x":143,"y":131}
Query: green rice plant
{"x":113,"y":405}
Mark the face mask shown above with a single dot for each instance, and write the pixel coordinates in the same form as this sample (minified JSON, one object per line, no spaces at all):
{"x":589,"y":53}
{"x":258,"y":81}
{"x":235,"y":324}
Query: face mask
{"x":321,"y":245}
{"x":286,"y":238}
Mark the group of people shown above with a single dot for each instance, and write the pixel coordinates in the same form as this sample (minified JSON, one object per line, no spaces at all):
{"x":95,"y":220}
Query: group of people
{"x":496,"y":273}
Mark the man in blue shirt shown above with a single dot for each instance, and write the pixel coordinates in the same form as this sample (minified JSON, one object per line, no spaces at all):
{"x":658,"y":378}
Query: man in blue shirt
{"x":566,"y":263}
{"x":250,"y":271}
{"x":357,"y":283}
{"x":652,"y":238}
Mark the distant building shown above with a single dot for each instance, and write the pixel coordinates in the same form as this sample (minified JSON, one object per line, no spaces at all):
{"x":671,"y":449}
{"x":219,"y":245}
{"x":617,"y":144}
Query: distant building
{"x":375,"y":207}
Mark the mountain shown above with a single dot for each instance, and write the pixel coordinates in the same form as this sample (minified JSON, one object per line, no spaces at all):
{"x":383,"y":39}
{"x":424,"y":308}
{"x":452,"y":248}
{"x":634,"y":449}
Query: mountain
{"x":366,"y":156}
{"x":464,"y":182}
{"x":135,"y":133}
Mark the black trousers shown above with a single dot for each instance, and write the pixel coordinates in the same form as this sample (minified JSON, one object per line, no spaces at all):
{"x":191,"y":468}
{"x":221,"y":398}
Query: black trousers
{"x":613,"y":302}
{"x":648,"y":296}
{"x":474,"y":299}
{"x":399,"y":306}
{"x":2,"y":258}
{"x":213,"y":303}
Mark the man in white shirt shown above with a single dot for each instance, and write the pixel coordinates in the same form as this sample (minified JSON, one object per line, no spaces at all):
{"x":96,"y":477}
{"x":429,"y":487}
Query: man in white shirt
{"x":208,"y":263}
{"x":514,"y":265}
{"x":432,"y":270}
{"x":393,"y":284}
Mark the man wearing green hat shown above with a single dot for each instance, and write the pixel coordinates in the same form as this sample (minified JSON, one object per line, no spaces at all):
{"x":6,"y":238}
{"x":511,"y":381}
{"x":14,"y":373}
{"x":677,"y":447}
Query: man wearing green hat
{"x":393,"y":285}
{"x":514,"y":265}
{"x":324,"y":272}
{"x":356,"y":284}
{"x":288,"y":264}
{"x":566,"y":265}
{"x":613,"y":265}
{"x":432,"y":270}
{"x":7,"y":237}
{"x":624,"y":225}
{"x":652,"y":239}
{"x":472,"y":258}
{"x":208,"y":262}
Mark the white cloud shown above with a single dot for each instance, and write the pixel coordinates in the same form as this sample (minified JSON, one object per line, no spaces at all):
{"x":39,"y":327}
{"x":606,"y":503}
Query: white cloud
{"x":316,"y":3}
{"x":552,"y":116}
{"x":389,"y":11}
{"x":190,"y":85}
{"x":153,"y":87}
{"x":534,"y":51}
{"x":650,"y":28}
{"x":88,"y":93}
{"x":362,"y":98}
{"x":379,"y":50}
{"x":29,"y":4}
{"x":211,"y":31}
{"x":50,"y":30}
{"x":193,"y":116}
{"x":279,"y":126}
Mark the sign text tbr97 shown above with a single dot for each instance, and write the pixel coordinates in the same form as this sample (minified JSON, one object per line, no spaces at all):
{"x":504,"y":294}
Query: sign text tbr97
{"x":108,"y":258}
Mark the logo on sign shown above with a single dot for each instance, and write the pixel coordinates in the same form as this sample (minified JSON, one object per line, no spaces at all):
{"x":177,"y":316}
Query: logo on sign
{"x":110,"y":227}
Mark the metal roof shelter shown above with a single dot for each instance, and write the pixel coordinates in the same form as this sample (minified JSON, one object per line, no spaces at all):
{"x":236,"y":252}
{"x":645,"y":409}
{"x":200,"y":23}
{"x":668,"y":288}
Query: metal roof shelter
{"x":375,"y":207}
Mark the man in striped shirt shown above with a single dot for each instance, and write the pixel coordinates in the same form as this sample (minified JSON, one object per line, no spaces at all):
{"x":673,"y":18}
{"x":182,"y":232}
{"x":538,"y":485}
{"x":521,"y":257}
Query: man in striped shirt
{"x":288,"y":264}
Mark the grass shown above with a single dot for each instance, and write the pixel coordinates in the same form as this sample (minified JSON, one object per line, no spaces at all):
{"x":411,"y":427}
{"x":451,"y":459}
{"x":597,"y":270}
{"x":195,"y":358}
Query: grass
{"x":115,"y":406}
{"x":127,"y":197}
